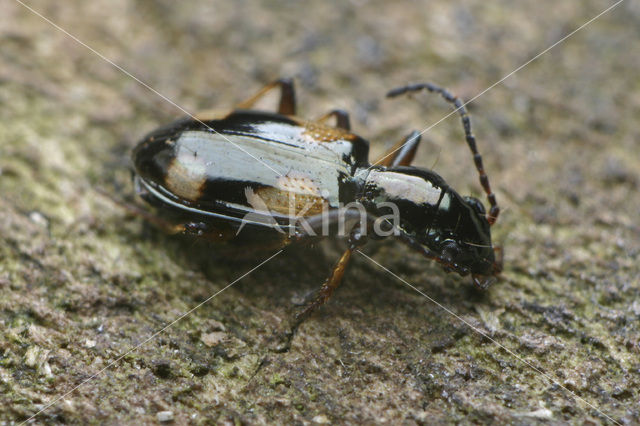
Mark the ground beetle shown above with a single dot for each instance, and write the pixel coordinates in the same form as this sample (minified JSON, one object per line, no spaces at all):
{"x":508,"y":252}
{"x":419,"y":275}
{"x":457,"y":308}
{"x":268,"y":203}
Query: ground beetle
{"x":249,"y":177}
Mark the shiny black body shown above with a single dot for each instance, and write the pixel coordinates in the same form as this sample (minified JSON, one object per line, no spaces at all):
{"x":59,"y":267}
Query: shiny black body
{"x":206,"y":175}
{"x":459,"y":234}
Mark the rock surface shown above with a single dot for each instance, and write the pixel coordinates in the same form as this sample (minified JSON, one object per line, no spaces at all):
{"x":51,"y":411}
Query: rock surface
{"x":82,"y":283}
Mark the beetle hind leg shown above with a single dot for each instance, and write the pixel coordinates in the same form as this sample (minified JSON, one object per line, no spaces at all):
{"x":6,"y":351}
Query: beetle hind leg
{"x":287,"y":104}
{"x":166,"y":226}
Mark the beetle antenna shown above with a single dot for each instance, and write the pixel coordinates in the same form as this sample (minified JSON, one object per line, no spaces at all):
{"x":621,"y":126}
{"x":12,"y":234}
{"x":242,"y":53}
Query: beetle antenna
{"x":494,"y":210}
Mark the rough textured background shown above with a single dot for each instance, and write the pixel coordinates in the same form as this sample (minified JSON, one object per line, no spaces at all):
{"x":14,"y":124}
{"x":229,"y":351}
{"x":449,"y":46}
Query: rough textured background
{"x":82,"y":282}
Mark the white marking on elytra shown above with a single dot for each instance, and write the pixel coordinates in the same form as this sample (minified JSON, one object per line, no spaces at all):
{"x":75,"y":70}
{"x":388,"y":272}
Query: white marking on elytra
{"x":446,"y":202}
{"x":186,"y":175}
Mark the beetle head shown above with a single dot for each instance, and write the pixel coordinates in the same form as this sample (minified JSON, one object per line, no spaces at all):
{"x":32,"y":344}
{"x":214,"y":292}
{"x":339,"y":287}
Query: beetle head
{"x":436,"y":220}
{"x":461,"y":238}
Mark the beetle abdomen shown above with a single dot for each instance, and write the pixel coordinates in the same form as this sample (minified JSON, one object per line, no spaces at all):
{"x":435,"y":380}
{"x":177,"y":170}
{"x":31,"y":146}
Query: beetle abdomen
{"x":277,"y":165}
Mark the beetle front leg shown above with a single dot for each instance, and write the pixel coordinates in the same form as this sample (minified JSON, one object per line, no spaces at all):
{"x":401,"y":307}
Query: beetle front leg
{"x":402,"y":153}
{"x":287,"y":104}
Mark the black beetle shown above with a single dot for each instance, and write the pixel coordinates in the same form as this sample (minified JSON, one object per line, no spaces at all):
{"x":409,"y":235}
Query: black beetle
{"x":248,"y":177}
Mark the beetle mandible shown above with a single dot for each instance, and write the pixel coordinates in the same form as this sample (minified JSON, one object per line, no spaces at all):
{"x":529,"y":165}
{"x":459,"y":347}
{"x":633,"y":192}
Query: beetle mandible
{"x":213,"y":176}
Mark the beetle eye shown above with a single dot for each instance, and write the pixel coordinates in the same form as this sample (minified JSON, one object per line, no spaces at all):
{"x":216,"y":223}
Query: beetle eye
{"x":476,"y":205}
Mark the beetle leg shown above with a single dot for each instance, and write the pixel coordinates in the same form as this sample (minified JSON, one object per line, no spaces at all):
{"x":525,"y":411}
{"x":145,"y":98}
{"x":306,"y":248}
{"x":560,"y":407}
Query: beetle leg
{"x":356,"y":240}
{"x":420,"y":248}
{"x":157,"y":221}
{"x":342,"y":118}
{"x":207,"y":231}
{"x":402,"y":153}
{"x":287,"y":105}
{"x":483,"y":282}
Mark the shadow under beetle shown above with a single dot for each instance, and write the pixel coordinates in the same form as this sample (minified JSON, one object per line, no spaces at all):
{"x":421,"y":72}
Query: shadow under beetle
{"x":206,"y":174}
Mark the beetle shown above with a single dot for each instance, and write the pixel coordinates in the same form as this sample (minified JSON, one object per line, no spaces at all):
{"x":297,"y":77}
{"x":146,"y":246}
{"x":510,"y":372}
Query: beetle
{"x":244,"y":176}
